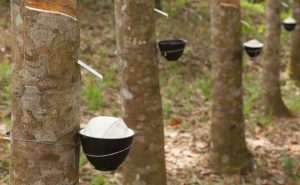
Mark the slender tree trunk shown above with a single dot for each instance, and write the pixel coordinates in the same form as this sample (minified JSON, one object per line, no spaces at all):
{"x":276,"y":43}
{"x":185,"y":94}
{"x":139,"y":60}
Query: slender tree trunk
{"x":229,"y":152}
{"x":140,"y":91}
{"x":294,"y":64}
{"x":272,"y":100}
{"x":46,"y":93}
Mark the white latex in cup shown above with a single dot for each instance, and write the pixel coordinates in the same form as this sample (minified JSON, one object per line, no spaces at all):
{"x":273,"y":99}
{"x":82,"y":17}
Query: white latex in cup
{"x":106,"y":127}
{"x":253,"y":44}
{"x":117,"y":129}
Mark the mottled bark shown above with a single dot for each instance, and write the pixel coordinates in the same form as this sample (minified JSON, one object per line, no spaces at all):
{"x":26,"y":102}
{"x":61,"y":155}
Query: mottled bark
{"x":140,"y":91}
{"x":272,"y":99}
{"x":45,"y":97}
{"x":229,"y":152}
{"x":294,"y":63}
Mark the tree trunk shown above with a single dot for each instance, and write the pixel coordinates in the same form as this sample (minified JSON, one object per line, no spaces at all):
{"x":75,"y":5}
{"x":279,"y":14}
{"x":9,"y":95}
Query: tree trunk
{"x":140,"y":91}
{"x":272,"y":100}
{"x":294,"y":64}
{"x":46,"y":93}
{"x":229,"y":152}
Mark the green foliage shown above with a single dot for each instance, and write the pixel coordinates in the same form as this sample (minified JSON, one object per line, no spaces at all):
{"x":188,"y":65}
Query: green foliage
{"x":175,"y":86}
{"x":3,"y":2}
{"x":5,"y":89}
{"x":204,"y":83}
{"x":167,"y":109}
{"x":252,"y":93}
{"x":252,"y":16}
{"x":289,"y":165}
{"x":257,"y":8}
{"x":5,"y":163}
{"x":83,"y":160}
{"x":5,"y":71}
{"x":93,"y":88}
{"x":97,"y":3}
{"x":291,"y":95}
{"x":92,"y":95}
{"x":186,"y":124}
{"x":100,"y":180}
{"x":262,"y":119}
{"x":174,"y":10}
{"x":110,"y":77}
{"x":197,"y":183}
{"x":203,"y":8}
{"x":202,"y":183}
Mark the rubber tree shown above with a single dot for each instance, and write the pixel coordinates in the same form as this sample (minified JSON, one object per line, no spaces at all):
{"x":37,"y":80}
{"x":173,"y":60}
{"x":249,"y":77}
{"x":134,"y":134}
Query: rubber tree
{"x":140,"y":91}
{"x":45,"y":93}
{"x":294,"y":63}
{"x":229,"y":152}
{"x":272,"y":99}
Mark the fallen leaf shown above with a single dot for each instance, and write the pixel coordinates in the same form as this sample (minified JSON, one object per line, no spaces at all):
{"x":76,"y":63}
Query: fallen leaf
{"x":175,"y":122}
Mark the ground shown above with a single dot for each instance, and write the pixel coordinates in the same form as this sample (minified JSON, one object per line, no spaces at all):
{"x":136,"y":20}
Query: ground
{"x":275,"y":143}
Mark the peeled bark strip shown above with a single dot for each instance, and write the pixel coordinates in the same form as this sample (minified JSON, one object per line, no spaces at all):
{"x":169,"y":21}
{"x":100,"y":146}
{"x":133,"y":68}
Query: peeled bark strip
{"x":272,"y":99}
{"x":230,"y":3}
{"x":140,"y":91}
{"x":67,"y":7}
{"x":46,"y":97}
{"x":294,"y":64}
{"x":229,"y":152}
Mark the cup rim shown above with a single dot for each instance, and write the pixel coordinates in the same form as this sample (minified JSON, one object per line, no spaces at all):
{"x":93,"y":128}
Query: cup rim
{"x":132,"y":134}
{"x":175,"y":42}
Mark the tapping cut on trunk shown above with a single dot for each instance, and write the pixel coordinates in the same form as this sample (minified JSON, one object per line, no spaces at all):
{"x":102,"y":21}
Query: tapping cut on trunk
{"x":45,"y":95}
{"x":230,"y":3}
{"x":63,"y":7}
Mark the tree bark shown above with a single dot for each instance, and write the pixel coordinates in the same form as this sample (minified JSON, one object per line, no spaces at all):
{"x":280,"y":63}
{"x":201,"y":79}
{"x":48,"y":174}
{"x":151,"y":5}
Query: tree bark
{"x":46,"y":93}
{"x":140,"y":91}
{"x":294,"y":63}
{"x":272,"y":99}
{"x":229,"y":152}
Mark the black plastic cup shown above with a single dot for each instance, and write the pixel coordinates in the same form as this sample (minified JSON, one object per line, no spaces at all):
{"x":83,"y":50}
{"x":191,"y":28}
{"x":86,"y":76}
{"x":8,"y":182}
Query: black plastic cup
{"x":106,"y":154}
{"x":253,"y":51}
{"x":289,"y":26}
{"x":172,"y":50}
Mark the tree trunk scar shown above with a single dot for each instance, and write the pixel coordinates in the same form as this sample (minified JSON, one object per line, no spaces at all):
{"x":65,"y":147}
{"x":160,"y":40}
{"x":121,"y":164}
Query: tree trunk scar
{"x":230,"y":3}
{"x":65,"y":8}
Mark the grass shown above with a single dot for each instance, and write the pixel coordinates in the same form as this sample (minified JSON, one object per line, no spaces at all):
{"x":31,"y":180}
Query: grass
{"x":5,"y":71}
{"x":290,"y":167}
{"x":174,"y":9}
{"x":93,"y":95}
{"x":5,"y":91}
{"x":83,"y":160}
{"x":252,"y":93}
{"x":291,"y":95}
{"x":257,"y":8}
{"x":100,"y":180}
{"x":177,"y":86}
{"x":204,"y":84}
{"x":252,"y":14}
{"x":3,"y":2}
{"x":202,"y":183}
